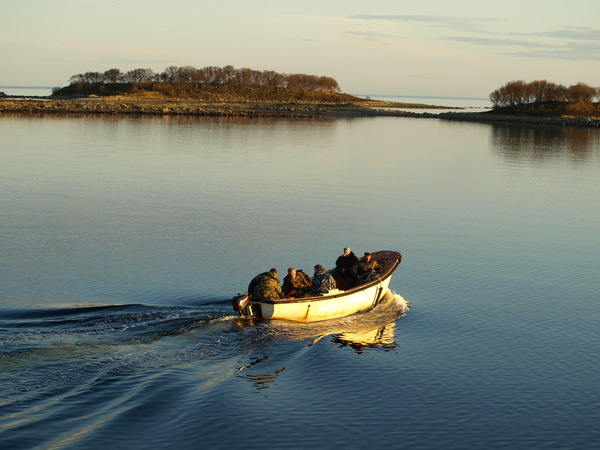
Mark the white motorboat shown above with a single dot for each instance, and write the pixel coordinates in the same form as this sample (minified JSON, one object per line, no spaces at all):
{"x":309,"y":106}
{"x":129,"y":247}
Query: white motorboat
{"x":333,"y":304}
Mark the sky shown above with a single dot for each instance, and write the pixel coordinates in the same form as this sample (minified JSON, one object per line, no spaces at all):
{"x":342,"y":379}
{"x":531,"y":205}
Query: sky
{"x":437,"y":48}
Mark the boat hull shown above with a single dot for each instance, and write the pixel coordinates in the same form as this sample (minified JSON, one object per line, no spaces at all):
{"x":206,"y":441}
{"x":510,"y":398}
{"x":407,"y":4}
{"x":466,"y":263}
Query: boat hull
{"x":334,"y":304}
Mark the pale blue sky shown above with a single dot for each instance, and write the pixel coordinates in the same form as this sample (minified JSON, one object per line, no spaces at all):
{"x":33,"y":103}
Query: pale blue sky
{"x":460,"y":48}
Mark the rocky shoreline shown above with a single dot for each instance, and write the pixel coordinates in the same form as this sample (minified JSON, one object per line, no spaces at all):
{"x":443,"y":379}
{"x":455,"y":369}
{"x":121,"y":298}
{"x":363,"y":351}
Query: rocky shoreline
{"x":118,"y":106}
{"x":168,"y":107}
{"x":522,"y":120}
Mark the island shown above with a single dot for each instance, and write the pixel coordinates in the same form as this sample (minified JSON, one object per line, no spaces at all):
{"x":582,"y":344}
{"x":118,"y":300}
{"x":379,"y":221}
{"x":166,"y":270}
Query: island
{"x":541,"y":102}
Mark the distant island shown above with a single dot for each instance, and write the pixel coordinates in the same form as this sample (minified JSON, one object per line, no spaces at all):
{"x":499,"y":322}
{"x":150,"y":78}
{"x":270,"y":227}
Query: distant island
{"x":221,"y":84}
{"x":544,"y":98}
{"x":541,"y":103}
{"x":227,"y":91}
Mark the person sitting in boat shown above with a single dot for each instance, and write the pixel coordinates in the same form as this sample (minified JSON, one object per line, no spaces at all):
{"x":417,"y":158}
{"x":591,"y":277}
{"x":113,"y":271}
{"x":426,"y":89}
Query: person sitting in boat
{"x":343,"y":266}
{"x":322,"y":281}
{"x":295,"y":283}
{"x":364,"y":267}
{"x":265,"y":286}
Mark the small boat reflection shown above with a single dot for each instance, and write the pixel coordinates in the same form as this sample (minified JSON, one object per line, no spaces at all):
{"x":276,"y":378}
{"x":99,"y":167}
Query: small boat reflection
{"x":261,"y":380}
{"x":383,"y":338}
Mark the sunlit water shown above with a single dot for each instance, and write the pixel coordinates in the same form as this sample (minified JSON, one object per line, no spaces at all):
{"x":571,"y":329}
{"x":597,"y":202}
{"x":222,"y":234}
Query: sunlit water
{"x":123,"y":240}
{"x":441,"y":104}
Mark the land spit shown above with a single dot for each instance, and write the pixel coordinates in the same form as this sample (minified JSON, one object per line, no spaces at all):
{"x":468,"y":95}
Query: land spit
{"x":177,"y":107}
{"x":98,"y":105}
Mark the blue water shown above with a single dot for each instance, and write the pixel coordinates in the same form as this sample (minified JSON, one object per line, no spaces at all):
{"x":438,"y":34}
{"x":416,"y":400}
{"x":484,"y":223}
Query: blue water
{"x":27,"y":91}
{"x":123,"y":240}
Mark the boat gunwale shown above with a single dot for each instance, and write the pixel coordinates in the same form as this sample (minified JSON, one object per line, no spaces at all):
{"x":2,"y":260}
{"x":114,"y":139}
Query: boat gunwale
{"x":345,"y":293}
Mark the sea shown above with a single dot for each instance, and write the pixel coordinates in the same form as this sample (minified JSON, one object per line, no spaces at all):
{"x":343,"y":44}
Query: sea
{"x":26,"y":91}
{"x":124,"y":239}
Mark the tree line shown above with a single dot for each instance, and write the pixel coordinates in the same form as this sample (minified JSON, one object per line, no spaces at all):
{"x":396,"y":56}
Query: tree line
{"x":521,"y":93}
{"x":191,"y":79}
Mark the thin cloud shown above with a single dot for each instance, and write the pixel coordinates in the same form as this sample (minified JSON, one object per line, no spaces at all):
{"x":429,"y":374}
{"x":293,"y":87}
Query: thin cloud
{"x":574,"y":33}
{"x":532,"y":49}
{"x":572,"y":52}
{"x":499,"y":42}
{"x":369,"y":36}
{"x":456,"y":23}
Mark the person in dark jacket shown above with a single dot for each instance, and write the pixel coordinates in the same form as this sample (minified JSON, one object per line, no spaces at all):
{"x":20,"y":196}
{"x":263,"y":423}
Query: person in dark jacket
{"x":295,"y":283}
{"x":365,"y":266}
{"x":265,"y":286}
{"x":343,"y":269}
{"x":322,"y":281}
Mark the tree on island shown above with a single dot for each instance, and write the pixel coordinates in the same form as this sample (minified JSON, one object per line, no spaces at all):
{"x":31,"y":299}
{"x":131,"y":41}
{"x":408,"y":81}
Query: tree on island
{"x":544,"y":97}
{"x":209,"y":82}
{"x":520,"y":93}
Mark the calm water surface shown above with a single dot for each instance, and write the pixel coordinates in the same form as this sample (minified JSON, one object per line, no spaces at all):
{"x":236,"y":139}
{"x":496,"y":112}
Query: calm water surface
{"x":123,"y":240}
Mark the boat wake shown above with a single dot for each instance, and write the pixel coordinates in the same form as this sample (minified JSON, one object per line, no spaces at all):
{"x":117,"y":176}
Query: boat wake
{"x":79,"y":360}
{"x":60,"y":336}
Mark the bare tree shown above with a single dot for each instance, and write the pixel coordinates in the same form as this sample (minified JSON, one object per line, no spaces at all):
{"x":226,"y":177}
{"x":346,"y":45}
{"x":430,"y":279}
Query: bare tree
{"x":139,"y":75}
{"x":557,"y":93}
{"x":540,"y":90}
{"x":225,"y":79}
{"x":519,"y":93}
{"x":169,"y":75}
{"x":581,"y":93}
{"x":112,"y":76}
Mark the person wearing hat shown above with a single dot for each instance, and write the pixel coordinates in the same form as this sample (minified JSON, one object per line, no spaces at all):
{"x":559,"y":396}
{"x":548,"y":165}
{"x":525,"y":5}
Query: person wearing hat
{"x":343,"y":266}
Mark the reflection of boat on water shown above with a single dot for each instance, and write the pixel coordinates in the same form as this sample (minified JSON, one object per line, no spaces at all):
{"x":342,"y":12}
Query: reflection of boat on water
{"x":380,"y":337}
{"x":334,"y":304}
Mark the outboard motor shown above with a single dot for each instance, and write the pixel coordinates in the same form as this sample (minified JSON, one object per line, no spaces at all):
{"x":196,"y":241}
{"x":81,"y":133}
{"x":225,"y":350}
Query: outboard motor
{"x":241,"y":303}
